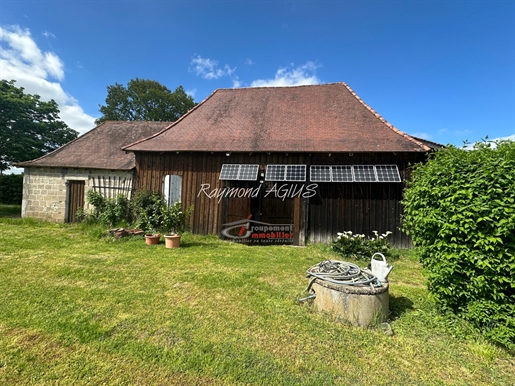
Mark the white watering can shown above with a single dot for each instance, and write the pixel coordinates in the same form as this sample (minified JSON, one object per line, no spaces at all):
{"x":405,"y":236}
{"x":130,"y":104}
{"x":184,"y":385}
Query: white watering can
{"x":380,"y":268}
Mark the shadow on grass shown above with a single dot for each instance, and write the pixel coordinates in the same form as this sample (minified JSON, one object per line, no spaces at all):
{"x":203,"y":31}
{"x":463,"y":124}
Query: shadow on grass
{"x":399,"y":305}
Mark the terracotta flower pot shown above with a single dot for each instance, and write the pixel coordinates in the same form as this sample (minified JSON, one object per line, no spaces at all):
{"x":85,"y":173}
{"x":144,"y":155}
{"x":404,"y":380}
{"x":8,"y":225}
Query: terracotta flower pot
{"x":172,"y":241}
{"x":152,"y":239}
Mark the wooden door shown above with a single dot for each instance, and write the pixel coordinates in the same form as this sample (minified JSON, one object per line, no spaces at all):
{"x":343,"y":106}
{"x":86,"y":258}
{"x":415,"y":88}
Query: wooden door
{"x":75,"y":199}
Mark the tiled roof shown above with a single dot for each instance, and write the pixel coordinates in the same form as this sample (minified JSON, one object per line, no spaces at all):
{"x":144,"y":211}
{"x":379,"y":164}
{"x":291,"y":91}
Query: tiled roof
{"x":101,"y":147}
{"x":317,"y":118}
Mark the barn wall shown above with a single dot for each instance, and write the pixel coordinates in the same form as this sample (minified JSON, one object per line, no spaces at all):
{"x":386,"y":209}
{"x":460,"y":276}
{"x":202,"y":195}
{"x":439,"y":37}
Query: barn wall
{"x":198,"y":170}
{"x":45,"y":189}
{"x":360,"y":207}
{"x":337,"y":207}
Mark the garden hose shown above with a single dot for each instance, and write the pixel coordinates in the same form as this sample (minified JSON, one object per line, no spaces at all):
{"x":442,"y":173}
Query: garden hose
{"x":342,"y":273}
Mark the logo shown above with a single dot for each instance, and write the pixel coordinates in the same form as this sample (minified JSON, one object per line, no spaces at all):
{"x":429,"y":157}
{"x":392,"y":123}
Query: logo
{"x":250,"y":231}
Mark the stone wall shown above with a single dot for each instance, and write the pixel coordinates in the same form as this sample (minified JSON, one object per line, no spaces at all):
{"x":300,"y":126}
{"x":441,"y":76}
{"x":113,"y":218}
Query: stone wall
{"x":45,"y":190}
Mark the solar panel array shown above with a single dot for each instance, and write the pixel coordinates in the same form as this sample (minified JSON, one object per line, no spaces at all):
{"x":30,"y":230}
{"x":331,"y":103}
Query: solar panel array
{"x":239,"y":172}
{"x":354,"y":173}
{"x":318,"y":173}
{"x":285,"y":173}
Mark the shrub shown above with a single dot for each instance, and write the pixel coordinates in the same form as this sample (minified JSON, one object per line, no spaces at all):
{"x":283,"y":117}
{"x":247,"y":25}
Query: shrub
{"x":11,"y":189}
{"x":146,"y":208}
{"x":459,"y":209}
{"x":153,"y":215}
{"x":108,"y":211}
{"x":360,"y":247}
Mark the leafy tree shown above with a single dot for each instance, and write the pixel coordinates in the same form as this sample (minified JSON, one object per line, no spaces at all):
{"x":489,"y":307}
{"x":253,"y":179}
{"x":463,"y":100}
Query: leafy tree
{"x":459,"y":209}
{"x":29,"y":127}
{"x":144,"y":100}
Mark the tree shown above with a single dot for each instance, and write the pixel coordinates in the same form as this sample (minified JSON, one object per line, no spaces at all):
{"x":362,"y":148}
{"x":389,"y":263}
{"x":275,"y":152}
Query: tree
{"x":459,"y":209}
{"x":29,"y":127}
{"x":144,"y":100}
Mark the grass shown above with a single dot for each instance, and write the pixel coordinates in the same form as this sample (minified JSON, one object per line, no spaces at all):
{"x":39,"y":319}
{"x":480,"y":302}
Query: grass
{"x":78,"y":310}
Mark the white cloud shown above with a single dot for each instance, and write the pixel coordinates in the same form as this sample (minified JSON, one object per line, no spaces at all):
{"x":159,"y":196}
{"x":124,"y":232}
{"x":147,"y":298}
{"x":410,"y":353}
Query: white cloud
{"x":48,"y":34}
{"x":236,"y":83}
{"x":508,"y":138}
{"x":209,"y":69}
{"x":191,"y":92}
{"x":39,"y":73}
{"x":249,"y":62}
{"x":289,"y":76}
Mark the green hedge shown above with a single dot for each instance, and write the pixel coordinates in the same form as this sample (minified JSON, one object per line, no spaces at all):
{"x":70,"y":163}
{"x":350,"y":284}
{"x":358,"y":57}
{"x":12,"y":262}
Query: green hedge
{"x":11,"y":189}
{"x":459,"y":209}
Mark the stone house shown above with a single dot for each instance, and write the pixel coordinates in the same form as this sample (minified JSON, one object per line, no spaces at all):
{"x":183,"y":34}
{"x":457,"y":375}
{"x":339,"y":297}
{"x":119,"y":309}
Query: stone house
{"x":54,"y":186}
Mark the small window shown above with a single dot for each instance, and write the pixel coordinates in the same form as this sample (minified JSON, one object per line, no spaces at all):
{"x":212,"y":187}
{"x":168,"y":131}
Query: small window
{"x":172,"y":188}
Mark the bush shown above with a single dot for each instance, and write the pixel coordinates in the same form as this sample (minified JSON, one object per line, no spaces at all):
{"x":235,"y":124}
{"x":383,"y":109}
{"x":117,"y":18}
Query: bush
{"x":11,"y":189}
{"x":459,"y":209}
{"x":146,"y":210}
{"x":153,"y":215}
{"x":108,"y":211}
{"x":360,"y":247}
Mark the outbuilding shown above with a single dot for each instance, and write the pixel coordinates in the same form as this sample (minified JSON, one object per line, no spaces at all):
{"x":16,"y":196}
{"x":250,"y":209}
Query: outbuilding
{"x":54,"y":186}
{"x":285,"y":165}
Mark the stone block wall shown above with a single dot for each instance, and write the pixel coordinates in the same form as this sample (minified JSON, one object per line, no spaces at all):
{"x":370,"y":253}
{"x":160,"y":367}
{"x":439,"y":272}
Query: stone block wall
{"x":45,"y":190}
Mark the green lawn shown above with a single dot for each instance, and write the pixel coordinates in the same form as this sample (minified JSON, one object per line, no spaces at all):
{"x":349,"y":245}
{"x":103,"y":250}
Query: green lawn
{"x":80,"y":310}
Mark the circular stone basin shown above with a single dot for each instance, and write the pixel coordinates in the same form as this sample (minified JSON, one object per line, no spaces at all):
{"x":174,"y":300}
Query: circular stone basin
{"x":359,"y":305}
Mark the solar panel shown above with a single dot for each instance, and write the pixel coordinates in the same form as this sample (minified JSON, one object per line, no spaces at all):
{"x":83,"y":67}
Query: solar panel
{"x":364,"y":173}
{"x":229,"y":172}
{"x":239,"y":172}
{"x":342,"y":173}
{"x":388,"y":173}
{"x":275,"y":172}
{"x":248,"y":172}
{"x":295,"y":172}
{"x":320,"y":173}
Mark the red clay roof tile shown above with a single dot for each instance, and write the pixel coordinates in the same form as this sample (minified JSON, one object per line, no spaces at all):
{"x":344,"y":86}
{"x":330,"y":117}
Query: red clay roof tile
{"x":316,"y":118}
{"x":100,"y":148}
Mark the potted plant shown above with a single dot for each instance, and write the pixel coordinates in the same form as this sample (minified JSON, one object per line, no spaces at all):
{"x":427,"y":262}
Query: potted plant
{"x":173,"y":222}
{"x":148,"y":215}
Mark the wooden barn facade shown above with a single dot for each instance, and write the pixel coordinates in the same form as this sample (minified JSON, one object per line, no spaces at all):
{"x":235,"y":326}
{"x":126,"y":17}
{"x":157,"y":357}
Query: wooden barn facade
{"x":285,"y":165}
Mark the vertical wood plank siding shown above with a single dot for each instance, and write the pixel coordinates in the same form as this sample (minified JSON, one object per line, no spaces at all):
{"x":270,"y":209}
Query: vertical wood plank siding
{"x":358,"y":207}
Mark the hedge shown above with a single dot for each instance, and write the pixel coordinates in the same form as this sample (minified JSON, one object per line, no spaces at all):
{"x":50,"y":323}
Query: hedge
{"x":11,"y":189}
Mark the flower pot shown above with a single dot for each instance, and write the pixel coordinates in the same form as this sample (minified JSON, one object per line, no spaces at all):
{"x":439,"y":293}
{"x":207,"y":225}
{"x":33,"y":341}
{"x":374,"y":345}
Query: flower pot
{"x":172,"y":241}
{"x":152,"y":239}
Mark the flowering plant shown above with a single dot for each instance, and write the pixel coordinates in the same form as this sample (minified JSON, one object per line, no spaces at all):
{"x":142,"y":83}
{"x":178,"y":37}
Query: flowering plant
{"x":360,"y":247}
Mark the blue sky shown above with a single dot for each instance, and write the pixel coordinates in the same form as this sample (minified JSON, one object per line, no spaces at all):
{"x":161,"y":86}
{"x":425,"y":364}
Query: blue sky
{"x":442,"y":70}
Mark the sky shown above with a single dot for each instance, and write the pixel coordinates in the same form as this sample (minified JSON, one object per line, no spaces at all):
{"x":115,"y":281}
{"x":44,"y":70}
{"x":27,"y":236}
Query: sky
{"x":439,"y":70}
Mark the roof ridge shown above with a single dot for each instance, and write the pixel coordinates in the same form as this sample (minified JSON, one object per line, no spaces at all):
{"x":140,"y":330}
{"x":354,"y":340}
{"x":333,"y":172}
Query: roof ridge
{"x":388,"y":124}
{"x":276,"y":87}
